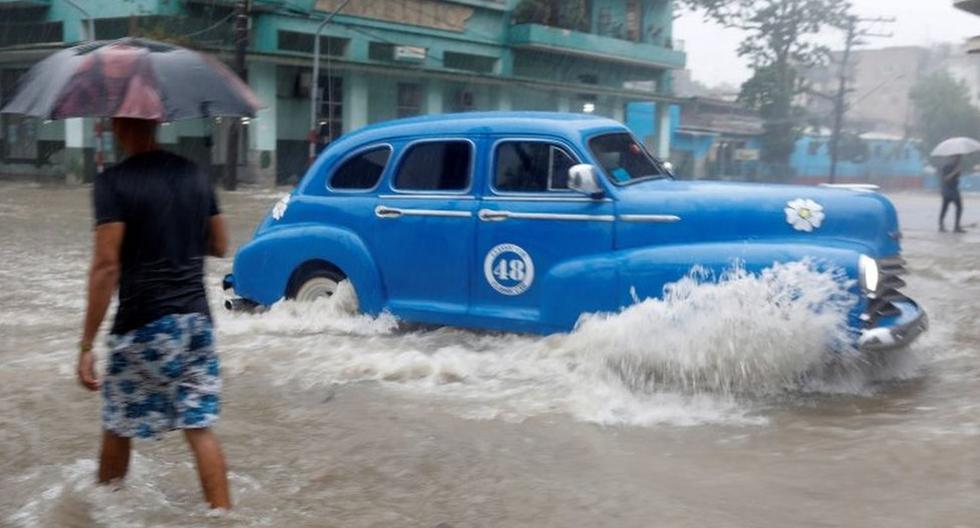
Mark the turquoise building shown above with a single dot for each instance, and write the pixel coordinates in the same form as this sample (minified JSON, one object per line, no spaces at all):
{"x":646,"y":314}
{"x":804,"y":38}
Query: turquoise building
{"x":381,"y":59}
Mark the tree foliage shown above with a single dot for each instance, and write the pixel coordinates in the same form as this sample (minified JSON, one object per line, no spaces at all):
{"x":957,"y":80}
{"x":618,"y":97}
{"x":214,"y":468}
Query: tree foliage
{"x":779,"y":43}
{"x":943,"y":110}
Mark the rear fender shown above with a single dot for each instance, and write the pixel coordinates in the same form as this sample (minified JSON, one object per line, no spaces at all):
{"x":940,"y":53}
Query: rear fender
{"x":264,"y":265}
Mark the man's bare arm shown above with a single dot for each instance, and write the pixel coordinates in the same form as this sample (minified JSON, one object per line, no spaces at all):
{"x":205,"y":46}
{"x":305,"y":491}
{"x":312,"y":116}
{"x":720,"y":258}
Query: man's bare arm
{"x":218,"y":243}
{"x":102,"y":281}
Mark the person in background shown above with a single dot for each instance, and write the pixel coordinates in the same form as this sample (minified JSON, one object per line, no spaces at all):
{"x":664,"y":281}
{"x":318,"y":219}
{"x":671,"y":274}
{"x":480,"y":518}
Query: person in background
{"x":156,"y":218}
{"x":950,"y":185}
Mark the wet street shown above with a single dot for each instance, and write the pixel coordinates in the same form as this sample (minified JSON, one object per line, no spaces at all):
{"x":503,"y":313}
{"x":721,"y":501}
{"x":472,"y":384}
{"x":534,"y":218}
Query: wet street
{"x":338,"y":420}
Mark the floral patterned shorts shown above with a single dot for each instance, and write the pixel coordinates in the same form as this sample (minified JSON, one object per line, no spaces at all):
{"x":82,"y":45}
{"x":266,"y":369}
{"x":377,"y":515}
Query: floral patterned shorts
{"x":161,"y":377}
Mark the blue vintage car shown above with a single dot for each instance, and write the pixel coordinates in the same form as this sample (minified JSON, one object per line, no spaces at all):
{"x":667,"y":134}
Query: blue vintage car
{"x":525,"y":221}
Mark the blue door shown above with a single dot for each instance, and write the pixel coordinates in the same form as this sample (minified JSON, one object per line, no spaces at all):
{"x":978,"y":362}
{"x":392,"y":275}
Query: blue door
{"x":533,"y":234}
{"x":425,"y":229}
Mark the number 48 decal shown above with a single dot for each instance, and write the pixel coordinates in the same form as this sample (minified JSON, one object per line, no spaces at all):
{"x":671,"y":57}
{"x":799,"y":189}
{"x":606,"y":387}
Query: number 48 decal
{"x":509,"y":269}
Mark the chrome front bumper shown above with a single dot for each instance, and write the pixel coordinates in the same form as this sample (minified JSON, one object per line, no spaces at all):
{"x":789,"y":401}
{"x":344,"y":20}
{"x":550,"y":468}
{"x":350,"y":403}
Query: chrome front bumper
{"x":895,"y":332}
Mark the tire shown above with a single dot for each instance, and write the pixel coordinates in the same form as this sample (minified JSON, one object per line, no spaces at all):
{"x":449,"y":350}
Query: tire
{"x":314,"y":284}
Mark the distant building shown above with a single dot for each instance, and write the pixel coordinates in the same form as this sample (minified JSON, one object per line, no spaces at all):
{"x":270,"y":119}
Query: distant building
{"x":880,"y":81}
{"x":971,"y":6}
{"x":382,"y":59}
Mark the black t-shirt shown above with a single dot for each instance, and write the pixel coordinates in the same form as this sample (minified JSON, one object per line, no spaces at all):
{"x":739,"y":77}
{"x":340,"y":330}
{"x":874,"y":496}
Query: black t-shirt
{"x":166,"y":204}
{"x":951,"y":184}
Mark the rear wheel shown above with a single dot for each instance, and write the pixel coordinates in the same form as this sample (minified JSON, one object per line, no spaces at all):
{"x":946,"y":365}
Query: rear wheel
{"x":314,"y":284}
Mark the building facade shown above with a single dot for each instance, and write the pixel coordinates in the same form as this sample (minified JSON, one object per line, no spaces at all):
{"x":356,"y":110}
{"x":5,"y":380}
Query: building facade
{"x":380,"y":60}
{"x":880,"y":82}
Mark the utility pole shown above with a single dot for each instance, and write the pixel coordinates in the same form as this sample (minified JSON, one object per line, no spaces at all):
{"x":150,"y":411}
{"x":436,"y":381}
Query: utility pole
{"x":855,"y":34}
{"x":242,"y":23}
{"x":315,"y":81}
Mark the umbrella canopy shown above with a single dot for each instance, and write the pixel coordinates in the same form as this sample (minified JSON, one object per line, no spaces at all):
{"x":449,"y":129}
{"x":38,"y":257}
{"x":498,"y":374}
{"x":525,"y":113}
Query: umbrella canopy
{"x":134,"y":78}
{"x":957,"y":147}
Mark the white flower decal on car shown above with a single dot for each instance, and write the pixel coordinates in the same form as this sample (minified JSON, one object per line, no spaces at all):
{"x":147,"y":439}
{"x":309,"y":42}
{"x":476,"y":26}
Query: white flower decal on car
{"x":280,"y":208}
{"x":804,"y":214}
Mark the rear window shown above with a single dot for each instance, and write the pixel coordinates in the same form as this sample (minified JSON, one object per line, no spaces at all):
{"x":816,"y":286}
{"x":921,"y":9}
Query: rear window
{"x":435,"y":166}
{"x":362,"y":171}
{"x":623,"y":159}
{"x":531,"y":166}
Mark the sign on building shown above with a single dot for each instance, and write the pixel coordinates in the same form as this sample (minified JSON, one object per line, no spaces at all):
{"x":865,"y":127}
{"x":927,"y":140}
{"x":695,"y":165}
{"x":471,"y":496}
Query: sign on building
{"x":410,"y":53}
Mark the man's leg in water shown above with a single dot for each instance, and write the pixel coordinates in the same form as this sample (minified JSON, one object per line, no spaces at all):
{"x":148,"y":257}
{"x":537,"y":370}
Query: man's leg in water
{"x":958,"y":202}
{"x":942,"y":213}
{"x":114,"y":458}
{"x":210,"y":466}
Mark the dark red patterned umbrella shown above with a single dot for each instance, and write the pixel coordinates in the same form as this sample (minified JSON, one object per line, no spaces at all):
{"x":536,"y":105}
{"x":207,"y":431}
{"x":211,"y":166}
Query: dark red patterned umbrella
{"x":133,"y":78}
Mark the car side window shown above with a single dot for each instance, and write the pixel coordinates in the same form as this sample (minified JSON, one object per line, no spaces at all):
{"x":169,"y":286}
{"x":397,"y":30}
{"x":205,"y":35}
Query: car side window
{"x":531,"y":166}
{"x":435,"y":166}
{"x":362,"y":171}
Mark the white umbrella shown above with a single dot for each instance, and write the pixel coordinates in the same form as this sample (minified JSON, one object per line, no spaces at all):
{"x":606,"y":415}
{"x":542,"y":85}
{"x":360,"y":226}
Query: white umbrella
{"x":957,"y":147}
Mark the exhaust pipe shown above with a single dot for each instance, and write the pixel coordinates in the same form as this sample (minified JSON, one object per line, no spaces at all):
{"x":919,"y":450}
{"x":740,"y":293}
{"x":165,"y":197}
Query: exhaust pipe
{"x":238,"y":304}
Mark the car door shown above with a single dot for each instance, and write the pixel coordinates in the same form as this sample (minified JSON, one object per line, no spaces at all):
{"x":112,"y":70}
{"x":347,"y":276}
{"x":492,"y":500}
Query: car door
{"x":530,"y":227}
{"x":424,"y":231}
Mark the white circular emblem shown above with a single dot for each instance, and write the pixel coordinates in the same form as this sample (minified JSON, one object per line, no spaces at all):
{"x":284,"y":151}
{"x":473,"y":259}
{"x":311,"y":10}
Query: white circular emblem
{"x":804,"y":214}
{"x":509,"y":269}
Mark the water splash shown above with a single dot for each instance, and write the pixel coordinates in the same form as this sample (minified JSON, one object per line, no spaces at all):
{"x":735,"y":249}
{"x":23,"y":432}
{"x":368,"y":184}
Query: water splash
{"x":707,"y":352}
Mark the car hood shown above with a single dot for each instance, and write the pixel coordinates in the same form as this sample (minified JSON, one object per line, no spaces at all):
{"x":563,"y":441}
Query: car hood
{"x":724,"y":211}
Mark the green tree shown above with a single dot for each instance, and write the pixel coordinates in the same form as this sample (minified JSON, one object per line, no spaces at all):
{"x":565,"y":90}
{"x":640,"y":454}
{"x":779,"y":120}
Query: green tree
{"x":943,"y":110}
{"x":779,"y":43}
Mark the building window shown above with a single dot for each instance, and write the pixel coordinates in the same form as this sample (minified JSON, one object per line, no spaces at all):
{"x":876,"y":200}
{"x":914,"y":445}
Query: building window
{"x":409,"y":100}
{"x":381,"y":51}
{"x":532,"y":166}
{"x":331,"y":111}
{"x":467,"y":62}
{"x":363,"y":171}
{"x":303,"y":43}
{"x":19,"y":132}
{"x":634,"y":20}
{"x":435,"y":166}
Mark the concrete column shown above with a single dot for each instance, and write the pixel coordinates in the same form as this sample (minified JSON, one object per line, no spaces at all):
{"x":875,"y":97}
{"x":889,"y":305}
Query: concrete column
{"x":262,"y":131}
{"x":167,"y":134}
{"x":618,"y":110}
{"x":504,"y":101}
{"x":355,"y":101}
{"x":662,"y":116}
{"x":77,"y":136}
{"x":433,"y":97}
{"x":564,"y":103}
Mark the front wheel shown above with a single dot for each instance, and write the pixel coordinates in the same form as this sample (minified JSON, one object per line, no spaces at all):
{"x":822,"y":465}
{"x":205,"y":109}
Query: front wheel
{"x":315,"y":285}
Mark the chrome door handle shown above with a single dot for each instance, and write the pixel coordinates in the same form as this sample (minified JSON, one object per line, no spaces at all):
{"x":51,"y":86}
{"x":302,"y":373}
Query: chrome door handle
{"x":487,"y":215}
{"x":388,"y":212}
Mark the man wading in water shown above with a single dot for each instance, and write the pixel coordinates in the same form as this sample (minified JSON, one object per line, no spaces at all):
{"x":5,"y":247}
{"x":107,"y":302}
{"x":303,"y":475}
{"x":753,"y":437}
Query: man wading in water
{"x":951,"y":193}
{"x":156,"y":218}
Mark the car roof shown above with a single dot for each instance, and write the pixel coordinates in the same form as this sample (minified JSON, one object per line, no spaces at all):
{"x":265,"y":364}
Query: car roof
{"x":480,"y":123}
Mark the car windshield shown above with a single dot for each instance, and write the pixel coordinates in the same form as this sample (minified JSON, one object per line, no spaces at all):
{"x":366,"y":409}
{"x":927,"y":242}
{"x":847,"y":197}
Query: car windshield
{"x":624,"y":160}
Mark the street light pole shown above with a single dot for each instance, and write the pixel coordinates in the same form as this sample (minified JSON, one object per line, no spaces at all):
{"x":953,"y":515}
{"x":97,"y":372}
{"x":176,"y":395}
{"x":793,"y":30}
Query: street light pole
{"x":234,"y":129}
{"x":314,"y":90}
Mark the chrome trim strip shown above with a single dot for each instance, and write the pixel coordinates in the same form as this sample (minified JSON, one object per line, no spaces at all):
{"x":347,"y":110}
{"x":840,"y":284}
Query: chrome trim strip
{"x":650,"y":218}
{"x":382,"y":211}
{"x":488,"y":215}
{"x":518,"y":198}
{"x":447,"y":197}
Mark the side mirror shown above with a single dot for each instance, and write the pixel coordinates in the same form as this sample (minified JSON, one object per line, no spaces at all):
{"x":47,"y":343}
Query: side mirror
{"x":584,"y":178}
{"x":669,"y":167}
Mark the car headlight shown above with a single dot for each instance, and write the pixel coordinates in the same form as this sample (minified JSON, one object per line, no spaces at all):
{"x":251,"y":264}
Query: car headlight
{"x":868,"y":273}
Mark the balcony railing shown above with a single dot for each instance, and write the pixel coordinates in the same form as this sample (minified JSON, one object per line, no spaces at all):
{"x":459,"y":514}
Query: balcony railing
{"x":557,"y":40}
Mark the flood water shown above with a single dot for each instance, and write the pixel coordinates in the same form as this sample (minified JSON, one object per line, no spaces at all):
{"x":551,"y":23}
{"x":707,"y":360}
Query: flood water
{"x":338,"y":420}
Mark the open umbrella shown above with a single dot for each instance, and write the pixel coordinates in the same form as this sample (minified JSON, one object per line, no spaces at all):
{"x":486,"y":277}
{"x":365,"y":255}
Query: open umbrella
{"x":133,"y":78}
{"x":958,"y":146}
